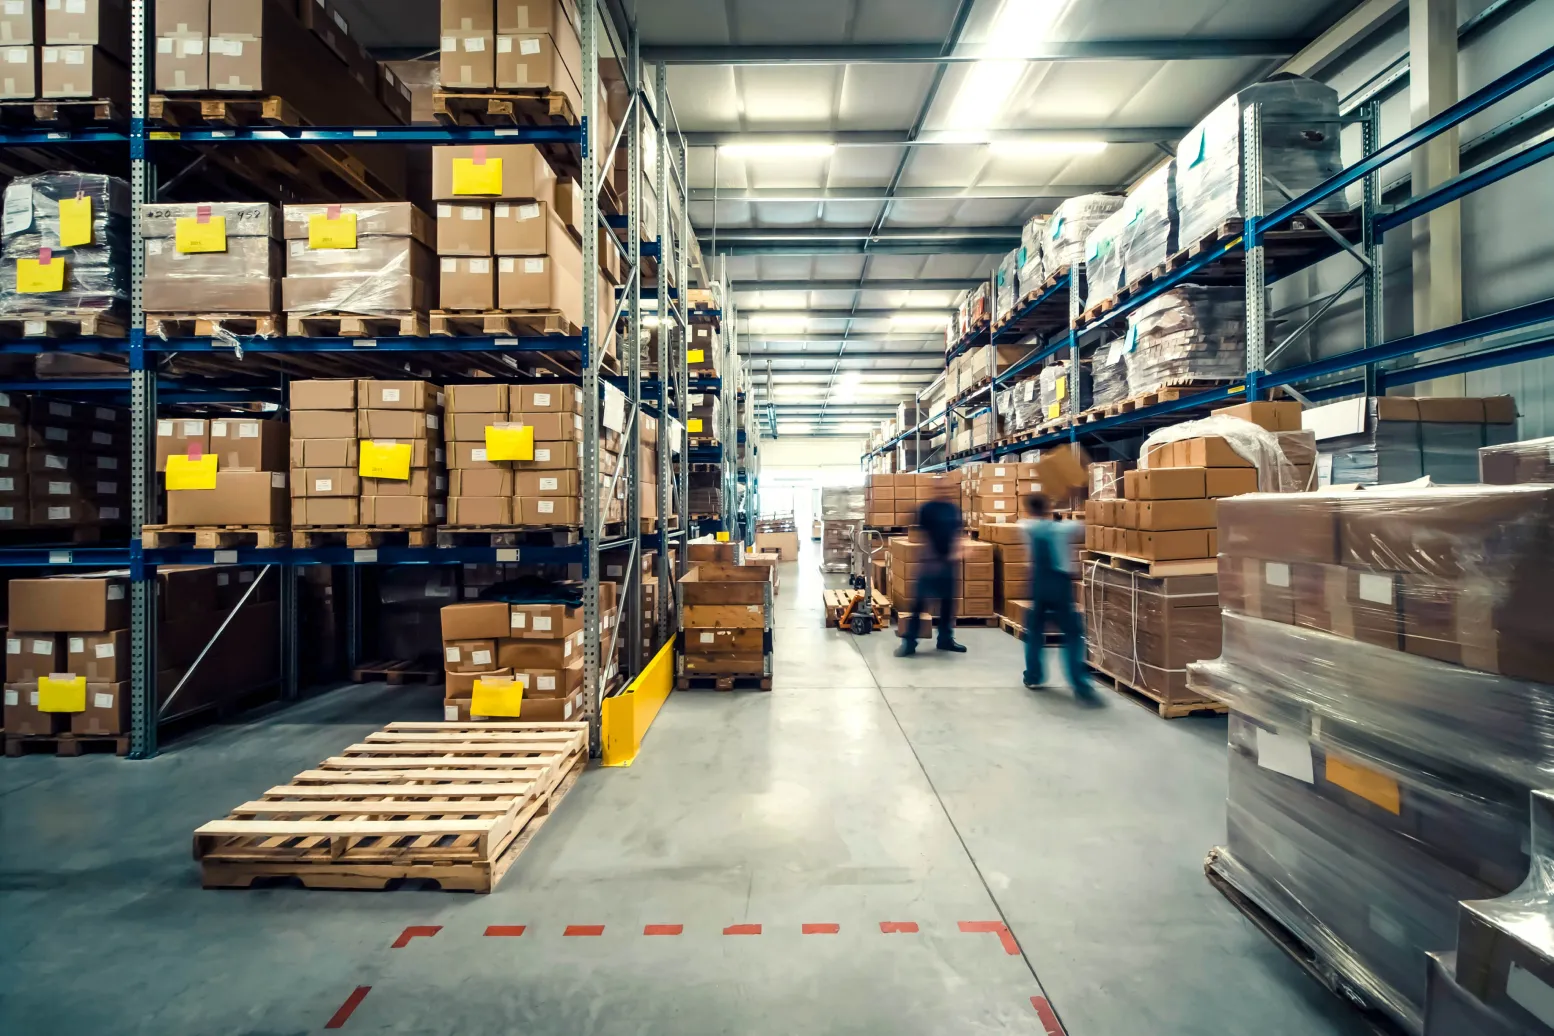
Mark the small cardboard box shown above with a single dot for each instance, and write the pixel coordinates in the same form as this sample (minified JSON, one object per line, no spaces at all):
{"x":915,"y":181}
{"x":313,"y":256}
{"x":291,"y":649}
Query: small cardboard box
{"x":107,"y":709}
{"x":476,"y":620}
{"x":468,"y":60}
{"x":1170,"y":515}
{"x":1174,"y":545}
{"x":1167,"y":484}
{"x":544,"y":621}
{"x":100,"y":657}
{"x":402,"y":510}
{"x":175,"y":435}
{"x":1446,"y":409}
{"x":552,"y":427}
{"x":323,"y":394}
{"x":469,"y":426}
{"x":547,"y":483}
{"x":1221,"y":482}
{"x":480,"y":398}
{"x":543,"y":282}
{"x":466,"y":284}
{"x":544,"y":399}
{"x":477,"y":482}
{"x":525,"y":174}
{"x":469,"y":656}
{"x":397,"y":424}
{"x":21,"y":22}
{"x":1210,"y":451}
{"x":380,"y":394}
{"x":325,"y":453}
{"x":480,"y":510}
{"x":249,"y":445}
{"x":18,"y":73}
{"x":314,"y":482}
{"x":80,"y":70}
{"x":69,"y":604}
{"x":1275,"y":417}
{"x":30,"y":656}
{"x":521,"y":654}
{"x":550,"y":510}
{"x":325,"y":511}
{"x":24,"y":718}
{"x":464,"y":228}
{"x":240,"y":498}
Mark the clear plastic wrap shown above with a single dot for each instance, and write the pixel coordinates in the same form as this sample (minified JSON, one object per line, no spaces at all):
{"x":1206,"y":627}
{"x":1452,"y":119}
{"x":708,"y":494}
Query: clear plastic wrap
{"x":842,"y":502}
{"x":1188,"y":333}
{"x":1109,"y":374}
{"x":1063,"y":243}
{"x":1256,"y":445}
{"x":1149,"y":236}
{"x":1032,"y":272}
{"x":1451,"y":1010}
{"x":97,"y":274}
{"x":1006,"y":288}
{"x":838,"y":536}
{"x":1104,"y":273}
{"x":242,"y":277}
{"x":1059,"y":394}
{"x":388,"y":270}
{"x":1145,"y":630}
{"x":1531,"y":460}
{"x":1300,"y":128}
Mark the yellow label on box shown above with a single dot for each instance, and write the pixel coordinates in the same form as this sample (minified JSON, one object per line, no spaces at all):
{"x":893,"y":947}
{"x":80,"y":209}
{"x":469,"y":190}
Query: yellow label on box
{"x":696,"y":356}
{"x":1062,"y":387}
{"x":61,"y":694}
{"x":1054,"y":410}
{"x":383,"y":460}
{"x":332,"y":231}
{"x":191,"y":235}
{"x":496,"y":698}
{"x":75,"y":222}
{"x":509,"y":443}
{"x":722,"y":537}
{"x":694,"y":424}
{"x":472,"y":177}
{"x":184,"y":472}
{"x":1366,"y":783}
{"x":34,"y":276}
{"x":164,"y":135}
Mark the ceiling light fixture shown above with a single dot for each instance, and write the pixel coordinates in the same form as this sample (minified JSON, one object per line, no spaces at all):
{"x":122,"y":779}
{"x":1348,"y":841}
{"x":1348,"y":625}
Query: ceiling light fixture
{"x":798,"y":149}
{"x":1020,"y":148}
{"x":985,"y":89}
{"x":909,"y":319}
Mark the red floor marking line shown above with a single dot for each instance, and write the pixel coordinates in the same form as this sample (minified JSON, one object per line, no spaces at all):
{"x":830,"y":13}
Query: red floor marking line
{"x":1049,"y":1017}
{"x":425,"y":931}
{"x":352,"y":1002}
{"x":511,"y":930}
{"x":998,"y":928}
{"x":742,"y":929}
{"x":663,"y":929}
{"x":584,"y":929}
{"x":898,"y":927}
{"x":820,"y":929}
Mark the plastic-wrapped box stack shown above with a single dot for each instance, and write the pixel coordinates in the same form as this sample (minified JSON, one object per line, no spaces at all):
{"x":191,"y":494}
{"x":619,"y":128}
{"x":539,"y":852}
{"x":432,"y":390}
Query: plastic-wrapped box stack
{"x":1006,"y":288}
{"x":1109,"y":373}
{"x":245,"y":483}
{"x":1188,"y":333}
{"x":1531,"y":460}
{"x":1060,"y":397}
{"x":1104,"y":271}
{"x":42,"y":273}
{"x":1390,"y":670}
{"x":1151,"y":222}
{"x":371,"y":259}
{"x":212,"y":259}
{"x":1384,"y":440}
{"x":1300,"y":150}
{"x":1031,"y":270}
{"x":1063,"y":241}
{"x":842,"y":510}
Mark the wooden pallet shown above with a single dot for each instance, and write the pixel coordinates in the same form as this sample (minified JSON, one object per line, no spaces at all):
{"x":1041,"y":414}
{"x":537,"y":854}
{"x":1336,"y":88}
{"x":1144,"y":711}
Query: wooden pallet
{"x":62,"y":115}
{"x":1051,"y":638}
{"x":340,"y":325}
{"x":527,"y":324}
{"x":362,"y":537}
{"x":65,"y":744}
{"x":1167,"y":708}
{"x":974,"y":621}
{"x":454,"y":107}
{"x":396,"y":672}
{"x":208,"y":109}
{"x":94,"y":324}
{"x":454,"y":803}
{"x":836,"y":602}
{"x":212,"y":537}
{"x":723,"y":682}
{"x":1154,"y":569}
{"x":507,"y":536}
{"x":210,"y":325}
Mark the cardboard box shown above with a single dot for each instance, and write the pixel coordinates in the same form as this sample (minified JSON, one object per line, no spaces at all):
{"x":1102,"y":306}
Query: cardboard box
{"x":107,"y":709}
{"x":1275,"y":417}
{"x":100,"y":657}
{"x":541,"y":511}
{"x":402,"y":510}
{"x":544,"y":621}
{"x":563,"y":682}
{"x":1170,"y":515}
{"x":325,"y":453}
{"x":469,"y":656}
{"x":323,"y":394}
{"x":1222,"y":482}
{"x":1168,"y":484}
{"x":249,"y":445}
{"x":1450,"y":409}
{"x":525,"y":653}
{"x":545,"y":399}
{"x":1183,"y":544}
{"x":317,"y":482}
{"x":101,"y":22}
{"x":525,"y":174}
{"x":325,"y":511}
{"x":1209,"y":452}
{"x":422,"y":482}
{"x":464,"y":228}
{"x":543,"y":62}
{"x":477,"y":620}
{"x":30,"y":656}
{"x":182,"y":62}
{"x":466,"y":426}
{"x":480,"y":510}
{"x":466,"y":284}
{"x":81,"y":71}
{"x":323,"y":424}
{"x":397,"y":424}
{"x":69,"y":604}
{"x":382,"y":394}
{"x":243,"y":277}
{"x":529,"y":228}
{"x":491,"y":481}
{"x":175,"y":435}
{"x":18,"y":73}
{"x":547,"y":483}
{"x":479,"y":398}
{"x":468,"y":60}
{"x":21,"y":22}
{"x":24,"y":718}
{"x":553,"y":427}
{"x":240,"y":498}
{"x":545,"y":282}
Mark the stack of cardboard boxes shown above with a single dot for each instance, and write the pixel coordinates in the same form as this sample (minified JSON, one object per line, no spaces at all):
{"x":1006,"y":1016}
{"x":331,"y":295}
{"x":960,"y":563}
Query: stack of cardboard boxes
{"x":1011,"y":568}
{"x":1385,"y":440}
{"x":701,"y":351}
{"x":512,"y":45}
{"x":212,"y":259}
{"x":367,"y":452}
{"x":71,"y":50}
{"x":229,"y":471}
{"x":974,"y":576}
{"x":62,"y":465}
{"x":533,"y":480}
{"x":702,"y":421}
{"x":370,"y":259}
{"x":990,"y":493}
{"x":726,"y":625}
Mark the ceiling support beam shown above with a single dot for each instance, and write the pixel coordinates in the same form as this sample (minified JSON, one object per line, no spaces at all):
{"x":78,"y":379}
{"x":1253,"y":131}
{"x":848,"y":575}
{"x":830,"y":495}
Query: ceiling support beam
{"x":885,"y":246}
{"x":872,"y":284}
{"x":939,"y":138}
{"x":838,"y":314}
{"x":1173,"y":49}
{"x":824,"y":194}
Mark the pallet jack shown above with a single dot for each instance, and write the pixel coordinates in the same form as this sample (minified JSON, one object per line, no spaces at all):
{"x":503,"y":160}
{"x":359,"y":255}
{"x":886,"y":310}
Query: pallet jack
{"x":859,"y":616}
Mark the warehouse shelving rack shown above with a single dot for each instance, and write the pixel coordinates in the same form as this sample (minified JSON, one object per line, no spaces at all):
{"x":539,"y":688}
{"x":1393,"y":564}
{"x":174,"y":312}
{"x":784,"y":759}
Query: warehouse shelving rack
{"x":1358,"y":371}
{"x":145,"y":388}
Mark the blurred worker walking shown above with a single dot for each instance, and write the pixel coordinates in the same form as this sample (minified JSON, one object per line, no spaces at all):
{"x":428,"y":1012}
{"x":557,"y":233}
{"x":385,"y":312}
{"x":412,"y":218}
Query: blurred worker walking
{"x":1052,"y":596}
{"x":941,"y":522}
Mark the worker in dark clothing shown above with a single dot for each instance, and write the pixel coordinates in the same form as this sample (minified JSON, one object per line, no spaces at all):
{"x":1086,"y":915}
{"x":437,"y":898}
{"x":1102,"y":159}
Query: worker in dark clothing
{"x":941,"y":523}
{"x":1052,"y":596}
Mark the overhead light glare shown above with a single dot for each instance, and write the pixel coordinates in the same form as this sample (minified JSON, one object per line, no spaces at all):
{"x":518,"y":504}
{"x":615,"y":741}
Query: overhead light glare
{"x":798,"y":149}
{"x":917,"y":320}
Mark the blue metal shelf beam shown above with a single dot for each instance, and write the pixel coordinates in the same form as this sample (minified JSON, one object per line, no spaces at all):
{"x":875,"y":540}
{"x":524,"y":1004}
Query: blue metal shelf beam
{"x":62,"y":138}
{"x":435,"y":344}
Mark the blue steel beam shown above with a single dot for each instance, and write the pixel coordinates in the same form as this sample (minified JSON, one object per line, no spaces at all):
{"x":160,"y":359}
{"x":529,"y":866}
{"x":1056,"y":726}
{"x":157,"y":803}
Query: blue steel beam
{"x":1462,"y":185}
{"x":435,"y":344}
{"x":348,"y":556}
{"x":61,"y":557}
{"x":374,"y":135}
{"x":61,"y":137}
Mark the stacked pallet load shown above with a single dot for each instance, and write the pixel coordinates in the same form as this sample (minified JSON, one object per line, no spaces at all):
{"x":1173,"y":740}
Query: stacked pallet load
{"x":991,"y":492}
{"x":1190,"y":334}
{"x":726,"y":626}
{"x":75,"y":51}
{"x":1531,"y":460}
{"x":65,"y":254}
{"x":974,"y":579}
{"x":226,"y":482}
{"x":63,"y":467}
{"x":1072,"y":222}
{"x":530,"y":46}
{"x":704,"y":346}
{"x":973,"y":310}
{"x":1011,"y":554}
{"x":358,"y":270}
{"x":842,"y":514}
{"x":211,"y":267}
{"x":1385,"y":440}
{"x":1390,"y":672}
{"x":702,"y":421}
{"x":891,"y":501}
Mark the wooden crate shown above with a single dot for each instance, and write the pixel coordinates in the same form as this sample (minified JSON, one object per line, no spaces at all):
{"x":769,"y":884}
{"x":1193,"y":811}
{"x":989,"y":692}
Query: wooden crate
{"x":453,"y":803}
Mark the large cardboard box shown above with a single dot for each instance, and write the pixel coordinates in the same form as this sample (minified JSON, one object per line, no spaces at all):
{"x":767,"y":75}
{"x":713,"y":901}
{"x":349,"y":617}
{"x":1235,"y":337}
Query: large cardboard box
{"x":242,"y":277}
{"x":468,"y":60}
{"x":104,"y":23}
{"x":24,"y":718}
{"x":546,"y":282}
{"x":21,"y":22}
{"x":100,"y":657}
{"x":1170,"y":483}
{"x":69,"y":604}
{"x":387,"y":270}
{"x":107,"y":709}
{"x":524,"y":173}
{"x":174,"y":436}
{"x":311,"y":425}
{"x":240,"y":498}
{"x":81,"y":71}
{"x":476,"y":620}
{"x":467,"y":284}
{"x":464,"y":228}
{"x":249,"y":445}
{"x":1275,"y":417}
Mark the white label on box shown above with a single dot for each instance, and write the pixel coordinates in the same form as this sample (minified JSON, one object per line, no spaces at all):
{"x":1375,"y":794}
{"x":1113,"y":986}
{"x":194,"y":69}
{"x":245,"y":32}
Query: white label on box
{"x":1276,"y":573}
{"x":154,"y":247}
{"x":365,"y":557}
{"x":477,"y":453}
{"x":534,"y":265}
{"x":614,"y":571}
{"x":115,"y":591}
{"x":507,"y":265}
{"x":102,"y":413}
{"x":102,"y":439}
{"x":566,"y":711}
{"x":246,"y":576}
{"x":451,"y":654}
{"x":228,"y":557}
{"x":323,"y":485}
{"x":542,"y":399}
{"x":1531,"y":992}
{"x":998,"y":487}
{"x":278,"y":480}
{"x":164,"y":429}
{"x":108,"y":488}
{"x":12,"y":698}
{"x":503,"y":210}
{"x":57,"y":434}
{"x":59,"y":514}
{"x":248,"y":429}
{"x":474,"y":44}
{"x":102,"y":701}
{"x":7,"y":485}
{"x":191,"y":48}
{"x":1377,"y":589}
{"x":14,"y":6}
{"x":549,"y":483}
{"x":7,"y":431}
{"x":76,"y":646}
{"x":450,"y":266}
{"x":60,"y":410}
{"x":519,"y":620}
{"x":193,"y":428}
{"x":708,"y":638}
{"x":444,"y":211}
{"x":7,"y":514}
{"x":218,"y":429}
{"x":480,"y":266}
{"x":470,"y":213}
{"x":542,"y":623}
{"x":391,"y":395}
{"x":542,"y":455}
{"x":18,"y":205}
{"x":545,"y":506}
{"x":75,"y":55}
{"x":529,"y":46}
{"x":13,"y":645}
{"x":431,"y":421}
{"x":43,"y":647}
{"x":529,"y":211}
{"x":1289,"y":754}
{"x":103,"y":650}
{"x":450,"y":43}
{"x":75,"y":6}
{"x":109,"y":514}
{"x":223,"y":578}
{"x":480,"y":657}
{"x":32,"y":698}
{"x":450,"y":713}
{"x":504,"y":45}
{"x":566,"y":647}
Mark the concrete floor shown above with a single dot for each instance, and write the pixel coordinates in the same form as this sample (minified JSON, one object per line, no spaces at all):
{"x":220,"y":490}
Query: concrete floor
{"x":863,"y":789}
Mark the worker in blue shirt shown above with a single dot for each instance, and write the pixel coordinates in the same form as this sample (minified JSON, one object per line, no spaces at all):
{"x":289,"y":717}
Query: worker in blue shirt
{"x":941,"y":522}
{"x":1052,"y":596}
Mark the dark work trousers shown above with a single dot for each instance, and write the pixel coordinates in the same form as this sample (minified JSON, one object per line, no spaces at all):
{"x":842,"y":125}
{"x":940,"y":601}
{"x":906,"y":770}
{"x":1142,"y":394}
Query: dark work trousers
{"x":936,"y":583}
{"x":1052,"y":601}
